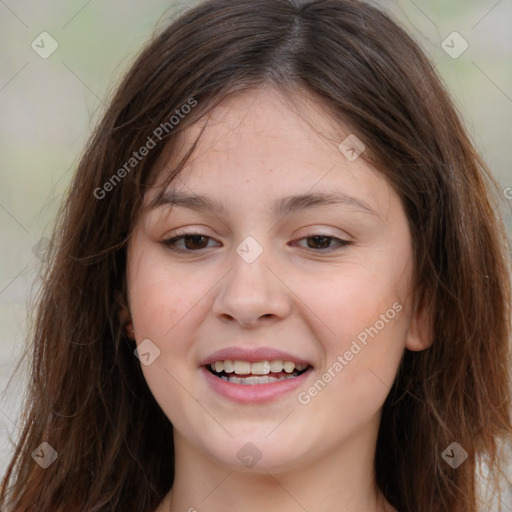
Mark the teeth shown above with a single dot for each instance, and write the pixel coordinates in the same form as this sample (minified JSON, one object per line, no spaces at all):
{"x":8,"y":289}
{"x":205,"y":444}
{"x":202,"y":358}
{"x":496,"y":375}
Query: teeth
{"x":257,"y":368}
{"x":266,"y":379}
{"x":288,"y":367}
{"x":276,"y":366}
{"x":241,"y":367}
{"x":260,"y":368}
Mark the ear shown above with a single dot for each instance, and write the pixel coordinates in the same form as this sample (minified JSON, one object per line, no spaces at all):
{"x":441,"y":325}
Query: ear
{"x":124,"y":317}
{"x":126,"y":322}
{"x":421,"y":334}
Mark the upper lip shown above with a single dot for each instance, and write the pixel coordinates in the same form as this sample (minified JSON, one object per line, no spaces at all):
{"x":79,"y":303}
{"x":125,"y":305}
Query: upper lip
{"x":252,"y":355}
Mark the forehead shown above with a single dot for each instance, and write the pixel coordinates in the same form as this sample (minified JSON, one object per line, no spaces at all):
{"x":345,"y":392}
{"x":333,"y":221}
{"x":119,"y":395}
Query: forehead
{"x":263,"y":142}
{"x":266,"y":116}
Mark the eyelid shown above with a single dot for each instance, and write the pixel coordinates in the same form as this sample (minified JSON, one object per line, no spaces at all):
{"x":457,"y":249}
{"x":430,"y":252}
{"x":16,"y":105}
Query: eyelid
{"x":342,"y":242}
{"x":181,"y":235}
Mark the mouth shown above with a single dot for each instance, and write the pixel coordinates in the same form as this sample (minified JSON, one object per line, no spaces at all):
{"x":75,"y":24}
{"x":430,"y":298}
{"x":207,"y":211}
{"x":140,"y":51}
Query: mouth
{"x":257,"y":372}
{"x":252,"y":375}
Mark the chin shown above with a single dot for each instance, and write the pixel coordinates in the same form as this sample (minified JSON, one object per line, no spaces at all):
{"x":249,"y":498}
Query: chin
{"x":255,"y":454}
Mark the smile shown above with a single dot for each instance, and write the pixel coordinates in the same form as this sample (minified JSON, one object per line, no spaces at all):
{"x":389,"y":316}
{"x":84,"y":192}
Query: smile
{"x":256,"y":373}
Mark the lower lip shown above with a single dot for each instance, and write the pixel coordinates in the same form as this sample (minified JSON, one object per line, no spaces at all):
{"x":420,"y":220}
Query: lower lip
{"x":253,"y":393}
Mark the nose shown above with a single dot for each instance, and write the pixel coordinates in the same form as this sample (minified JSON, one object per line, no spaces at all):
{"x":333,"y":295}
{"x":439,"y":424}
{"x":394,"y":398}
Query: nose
{"x":252,"y":293}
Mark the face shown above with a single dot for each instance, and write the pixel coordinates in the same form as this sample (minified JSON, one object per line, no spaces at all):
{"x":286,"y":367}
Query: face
{"x":298,"y":270}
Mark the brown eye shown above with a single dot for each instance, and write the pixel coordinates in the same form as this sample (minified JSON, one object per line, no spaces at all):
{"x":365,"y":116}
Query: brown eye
{"x":323,"y":242}
{"x":319,"y":241}
{"x":195,"y":241}
{"x":191,"y":242}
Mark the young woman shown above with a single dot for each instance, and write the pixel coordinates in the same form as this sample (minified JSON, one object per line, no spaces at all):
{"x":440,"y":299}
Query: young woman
{"x":277,"y":282}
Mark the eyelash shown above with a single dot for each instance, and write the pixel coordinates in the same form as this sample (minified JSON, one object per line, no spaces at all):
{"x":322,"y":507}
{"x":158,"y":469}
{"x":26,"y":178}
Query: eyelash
{"x":169,"y":243}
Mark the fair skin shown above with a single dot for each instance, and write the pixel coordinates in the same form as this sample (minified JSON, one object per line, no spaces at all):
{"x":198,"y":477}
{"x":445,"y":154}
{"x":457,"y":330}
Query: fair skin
{"x":313,"y":451}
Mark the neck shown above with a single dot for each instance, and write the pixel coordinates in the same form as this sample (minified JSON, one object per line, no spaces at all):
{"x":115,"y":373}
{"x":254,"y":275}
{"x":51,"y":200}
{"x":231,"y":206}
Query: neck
{"x":345,"y":475}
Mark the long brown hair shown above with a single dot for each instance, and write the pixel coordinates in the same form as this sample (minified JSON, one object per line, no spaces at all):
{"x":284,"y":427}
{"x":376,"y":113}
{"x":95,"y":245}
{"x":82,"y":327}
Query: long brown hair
{"x":88,"y":398}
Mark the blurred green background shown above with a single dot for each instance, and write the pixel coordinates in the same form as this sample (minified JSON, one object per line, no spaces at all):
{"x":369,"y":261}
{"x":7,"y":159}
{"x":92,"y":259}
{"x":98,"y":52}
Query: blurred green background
{"x":50,"y":105}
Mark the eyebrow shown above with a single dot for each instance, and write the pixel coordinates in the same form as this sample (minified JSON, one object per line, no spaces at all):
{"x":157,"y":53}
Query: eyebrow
{"x":281,"y":206}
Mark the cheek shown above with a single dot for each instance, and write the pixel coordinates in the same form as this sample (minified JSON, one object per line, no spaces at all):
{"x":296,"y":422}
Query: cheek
{"x":159,"y":297}
{"x":359,"y":300}
{"x":362,"y":305}
{"x":362,"y":358}
{"x":162,"y":307}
